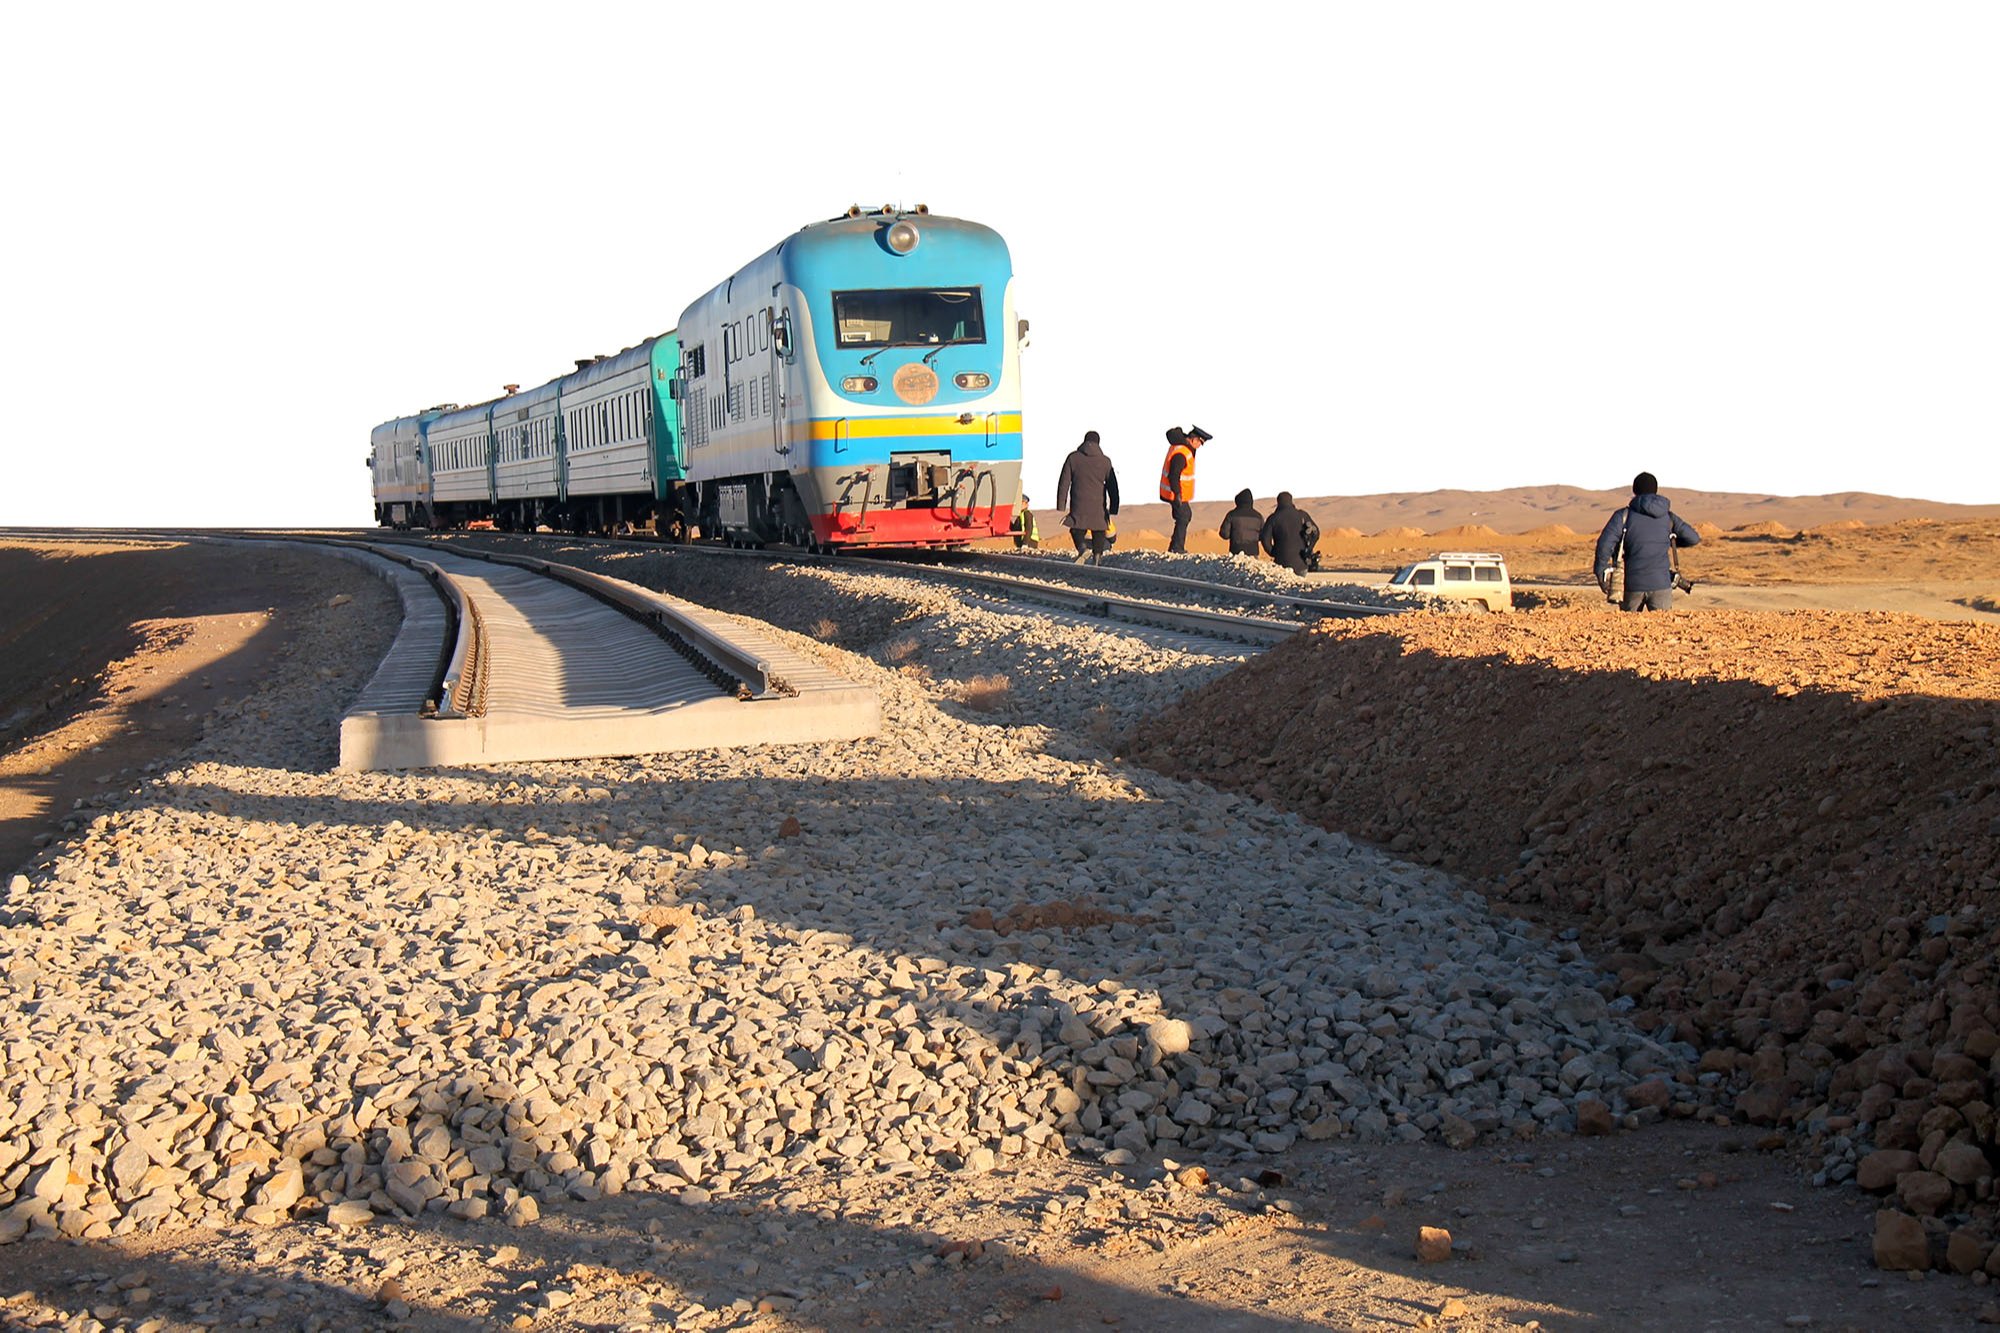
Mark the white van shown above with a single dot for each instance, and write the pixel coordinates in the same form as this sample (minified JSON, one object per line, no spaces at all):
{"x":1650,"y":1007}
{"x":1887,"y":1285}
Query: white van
{"x":1476,"y":576}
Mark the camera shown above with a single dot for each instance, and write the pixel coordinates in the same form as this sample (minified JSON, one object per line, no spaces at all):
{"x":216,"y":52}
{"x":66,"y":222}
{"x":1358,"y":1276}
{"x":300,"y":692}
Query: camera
{"x":1682,"y":583}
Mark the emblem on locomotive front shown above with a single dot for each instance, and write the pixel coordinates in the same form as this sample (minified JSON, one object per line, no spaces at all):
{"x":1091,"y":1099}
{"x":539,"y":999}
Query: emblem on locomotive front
{"x":915,"y":384}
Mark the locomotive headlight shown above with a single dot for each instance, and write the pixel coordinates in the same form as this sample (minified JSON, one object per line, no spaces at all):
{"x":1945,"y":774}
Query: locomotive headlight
{"x":903,"y":237}
{"x":858,"y":384}
{"x":972,"y":379}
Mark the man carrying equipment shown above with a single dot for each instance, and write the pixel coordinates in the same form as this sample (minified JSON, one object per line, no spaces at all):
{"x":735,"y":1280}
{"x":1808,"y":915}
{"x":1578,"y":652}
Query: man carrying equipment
{"x":1645,"y":532}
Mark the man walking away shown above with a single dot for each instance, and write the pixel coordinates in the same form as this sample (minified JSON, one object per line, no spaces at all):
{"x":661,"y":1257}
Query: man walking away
{"x":1087,"y":492}
{"x":1645,"y":533}
{"x":1242,"y":527}
{"x":1284,"y":534}
{"x":1177,"y":479}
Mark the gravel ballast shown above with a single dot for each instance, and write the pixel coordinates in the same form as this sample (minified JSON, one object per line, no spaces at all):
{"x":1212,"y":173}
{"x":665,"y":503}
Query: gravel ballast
{"x":254,"y":987}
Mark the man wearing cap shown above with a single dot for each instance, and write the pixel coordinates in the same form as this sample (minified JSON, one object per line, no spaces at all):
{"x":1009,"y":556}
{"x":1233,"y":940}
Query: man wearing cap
{"x":1645,"y":533}
{"x":1177,"y":479}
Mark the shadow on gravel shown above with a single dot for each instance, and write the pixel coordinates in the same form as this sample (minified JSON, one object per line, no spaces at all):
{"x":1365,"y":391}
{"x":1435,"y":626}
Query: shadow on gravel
{"x":70,"y":610}
{"x":639,"y":1257}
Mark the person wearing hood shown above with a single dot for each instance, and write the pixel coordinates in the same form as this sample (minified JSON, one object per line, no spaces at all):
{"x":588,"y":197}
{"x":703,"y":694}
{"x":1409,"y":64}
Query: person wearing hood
{"x":1177,"y":480}
{"x":1645,"y":533}
{"x":1284,"y":534}
{"x":1242,"y":527}
{"x":1087,"y":492}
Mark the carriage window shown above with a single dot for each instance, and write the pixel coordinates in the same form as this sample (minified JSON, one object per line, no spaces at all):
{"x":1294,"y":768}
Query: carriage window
{"x":908,"y":317}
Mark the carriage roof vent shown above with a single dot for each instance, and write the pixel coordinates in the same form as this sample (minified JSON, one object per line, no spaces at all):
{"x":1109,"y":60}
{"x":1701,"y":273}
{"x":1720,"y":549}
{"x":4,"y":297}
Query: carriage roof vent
{"x":511,"y":389}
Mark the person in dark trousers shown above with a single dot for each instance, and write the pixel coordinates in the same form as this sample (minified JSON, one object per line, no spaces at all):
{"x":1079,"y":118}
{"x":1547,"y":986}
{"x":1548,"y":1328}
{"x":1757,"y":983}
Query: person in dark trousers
{"x":1284,"y":534}
{"x":1645,"y":533}
{"x":1242,"y":527}
{"x":1177,"y":479}
{"x":1087,"y":492}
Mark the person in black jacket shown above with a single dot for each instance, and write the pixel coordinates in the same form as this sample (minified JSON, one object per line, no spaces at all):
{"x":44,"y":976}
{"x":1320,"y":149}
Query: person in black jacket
{"x":1645,"y":532}
{"x":1284,"y":533}
{"x":1087,"y":491}
{"x":1242,"y":527}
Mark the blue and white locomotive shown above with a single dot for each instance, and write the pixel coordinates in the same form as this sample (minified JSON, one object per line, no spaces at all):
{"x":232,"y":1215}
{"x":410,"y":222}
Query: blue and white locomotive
{"x":858,"y":384}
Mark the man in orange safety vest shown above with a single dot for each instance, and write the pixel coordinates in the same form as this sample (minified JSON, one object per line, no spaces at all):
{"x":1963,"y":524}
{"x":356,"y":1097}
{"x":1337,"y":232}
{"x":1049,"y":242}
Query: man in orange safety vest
{"x":1177,"y":479}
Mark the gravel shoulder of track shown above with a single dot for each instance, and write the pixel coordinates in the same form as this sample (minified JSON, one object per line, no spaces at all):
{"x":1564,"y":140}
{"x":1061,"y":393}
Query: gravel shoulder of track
{"x":928,"y":1029}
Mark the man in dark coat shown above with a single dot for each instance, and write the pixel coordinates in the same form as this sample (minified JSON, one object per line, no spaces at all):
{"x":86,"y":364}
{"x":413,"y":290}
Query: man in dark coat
{"x":1242,"y":527}
{"x":1087,"y":492}
{"x":1645,"y":532}
{"x":1284,"y":534}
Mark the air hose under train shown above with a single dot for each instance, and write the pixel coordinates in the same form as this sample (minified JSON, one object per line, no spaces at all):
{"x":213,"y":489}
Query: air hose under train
{"x":965,"y":517}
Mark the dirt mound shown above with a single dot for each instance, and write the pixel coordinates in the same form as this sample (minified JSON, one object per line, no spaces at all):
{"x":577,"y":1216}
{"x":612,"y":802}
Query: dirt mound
{"x":1467,"y":532}
{"x":1400,"y":534}
{"x":1780,"y":831}
{"x":1767,"y":528}
{"x":1344,"y":534}
{"x":1708,"y":529}
{"x":1550,"y":531}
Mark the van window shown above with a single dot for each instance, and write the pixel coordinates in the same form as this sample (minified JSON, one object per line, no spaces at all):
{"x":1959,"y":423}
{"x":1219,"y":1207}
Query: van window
{"x":1458,"y":573}
{"x":1487,"y":573}
{"x":1424,"y":578}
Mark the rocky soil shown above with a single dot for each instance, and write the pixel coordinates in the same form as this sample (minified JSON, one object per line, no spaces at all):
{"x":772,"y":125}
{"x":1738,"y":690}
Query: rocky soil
{"x":1780,"y":831}
{"x":967,"y":1025}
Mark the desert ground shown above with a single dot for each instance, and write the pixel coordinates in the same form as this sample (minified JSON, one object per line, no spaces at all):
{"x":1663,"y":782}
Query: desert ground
{"x":1826,"y":944}
{"x":1769,"y":553}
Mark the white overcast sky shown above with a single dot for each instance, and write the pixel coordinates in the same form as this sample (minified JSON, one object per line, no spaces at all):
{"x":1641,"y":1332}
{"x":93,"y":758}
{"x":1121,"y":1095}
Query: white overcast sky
{"x":1384,"y":247}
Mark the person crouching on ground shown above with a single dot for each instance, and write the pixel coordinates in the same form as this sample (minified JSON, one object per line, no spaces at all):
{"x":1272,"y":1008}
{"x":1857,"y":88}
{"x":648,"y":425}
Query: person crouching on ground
{"x":1087,"y":492}
{"x":1242,"y":527}
{"x":1645,"y":532}
{"x":1284,"y":534}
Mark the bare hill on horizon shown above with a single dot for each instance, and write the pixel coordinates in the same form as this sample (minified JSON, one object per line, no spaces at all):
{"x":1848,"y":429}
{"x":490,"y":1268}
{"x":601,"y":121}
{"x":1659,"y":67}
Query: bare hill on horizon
{"x":1527,"y":508}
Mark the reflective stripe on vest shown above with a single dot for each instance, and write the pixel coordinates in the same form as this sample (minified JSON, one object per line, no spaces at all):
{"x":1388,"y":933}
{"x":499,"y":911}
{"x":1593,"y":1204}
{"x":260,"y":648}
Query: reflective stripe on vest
{"x":1186,"y":495}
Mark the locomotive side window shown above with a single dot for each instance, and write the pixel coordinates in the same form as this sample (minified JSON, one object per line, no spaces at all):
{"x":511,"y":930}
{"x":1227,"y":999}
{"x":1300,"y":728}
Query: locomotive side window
{"x":908,"y":317}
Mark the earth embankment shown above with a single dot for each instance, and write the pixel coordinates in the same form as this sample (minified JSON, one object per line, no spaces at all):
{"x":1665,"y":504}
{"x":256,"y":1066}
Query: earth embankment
{"x":1779,"y":832}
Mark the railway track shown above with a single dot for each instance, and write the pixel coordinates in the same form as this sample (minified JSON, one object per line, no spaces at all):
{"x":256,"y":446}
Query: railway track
{"x":1198,"y":608}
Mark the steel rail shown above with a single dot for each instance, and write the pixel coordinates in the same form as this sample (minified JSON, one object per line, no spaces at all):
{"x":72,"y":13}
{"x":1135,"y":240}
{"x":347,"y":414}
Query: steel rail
{"x":1318,"y":606}
{"x":1210,"y":624}
{"x":1224,"y":625}
{"x":746,"y":676}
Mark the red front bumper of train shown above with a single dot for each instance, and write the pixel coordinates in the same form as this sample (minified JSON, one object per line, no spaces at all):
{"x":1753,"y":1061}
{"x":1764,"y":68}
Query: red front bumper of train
{"x":913,"y":527}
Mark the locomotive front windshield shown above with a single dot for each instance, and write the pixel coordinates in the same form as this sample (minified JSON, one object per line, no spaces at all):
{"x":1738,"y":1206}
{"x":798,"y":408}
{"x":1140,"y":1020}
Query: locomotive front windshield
{"x":909,"y":317}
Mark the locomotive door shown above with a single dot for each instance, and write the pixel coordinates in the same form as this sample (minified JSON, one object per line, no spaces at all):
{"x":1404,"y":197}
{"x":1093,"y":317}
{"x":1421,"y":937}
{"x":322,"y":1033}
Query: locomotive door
{"x":778,"y":338}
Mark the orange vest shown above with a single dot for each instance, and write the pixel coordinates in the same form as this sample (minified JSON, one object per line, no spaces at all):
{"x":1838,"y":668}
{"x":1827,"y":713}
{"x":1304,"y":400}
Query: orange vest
{"x":1186,"y":493}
